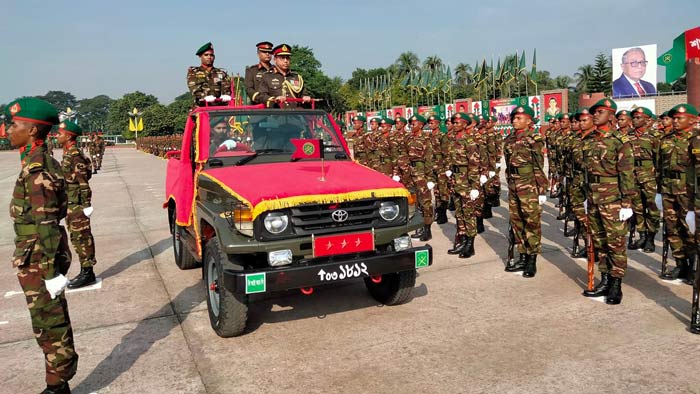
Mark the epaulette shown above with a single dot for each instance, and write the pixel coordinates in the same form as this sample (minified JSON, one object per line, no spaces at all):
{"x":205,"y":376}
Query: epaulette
{"x":624,"y":138}
{"x":35,"y":166}
{"x":536,"y":137}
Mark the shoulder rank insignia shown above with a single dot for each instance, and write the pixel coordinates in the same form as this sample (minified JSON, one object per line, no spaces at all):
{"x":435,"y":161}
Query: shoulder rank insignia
{"x":34,"y":167}
{"x":696,"y":151}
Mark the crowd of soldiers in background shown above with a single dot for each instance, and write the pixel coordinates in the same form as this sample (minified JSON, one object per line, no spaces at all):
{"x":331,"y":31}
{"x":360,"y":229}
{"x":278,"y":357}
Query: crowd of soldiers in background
{"x":92,"y":146}
{"x":159,"y":145}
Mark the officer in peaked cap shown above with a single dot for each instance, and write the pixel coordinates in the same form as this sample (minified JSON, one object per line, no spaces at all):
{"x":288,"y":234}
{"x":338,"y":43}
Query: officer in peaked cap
{"x":282,"y":83}
{"x":254,"y":73}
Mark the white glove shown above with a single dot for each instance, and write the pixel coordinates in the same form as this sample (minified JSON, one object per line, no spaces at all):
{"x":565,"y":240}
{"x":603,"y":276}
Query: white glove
{"x":659,"y":202}
{"x":585,"y":206}
{"x":483,"y":179}
{"x":690,"y":219}
{"x":225,"y":97}
{"x":492,"y":174}
{"x":625,"y":213}
{"x":474,"y":194}
{"x":229,"y":144}
{"x":88,"y":211}
{"x":448,"y":173}
{"x":56,"y":285}
{"x":431,"y":185}
{"x":209,"y":99}
{"x":396,"y":178}
{"x":542,"y":199}
{"x":247,"y":139}
{"x":498,"y":165}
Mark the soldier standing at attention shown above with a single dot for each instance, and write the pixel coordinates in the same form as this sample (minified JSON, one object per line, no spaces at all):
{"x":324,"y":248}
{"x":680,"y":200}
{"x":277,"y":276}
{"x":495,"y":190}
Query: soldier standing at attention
{"x":442,"y":195}
{"x":207,"y":82}
{"x":254,"y":73}
{"x":369,"y":143}
{"x":674,"y":163}
{"x":645,"y":147}
{"x":684,"y":120}
{"x":354,"y":137}
{"x":76,"y":171}
{"x":420,"y":155}
{"x":527,"y":185}
{"x":582,"y":123}
{"x":609,"y":184}
{"x":41,"y":252}
{"x":398,"y":150}
{"x":282,"y":83}
{"x":386,"y":165}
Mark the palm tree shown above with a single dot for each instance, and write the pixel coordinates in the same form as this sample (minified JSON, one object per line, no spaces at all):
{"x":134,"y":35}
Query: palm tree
{"x":583,"y":78}
{"x":432,"y":63}
{"x":463,"y":74}
{"x":562,"y":81}
{"x":407,"y":62}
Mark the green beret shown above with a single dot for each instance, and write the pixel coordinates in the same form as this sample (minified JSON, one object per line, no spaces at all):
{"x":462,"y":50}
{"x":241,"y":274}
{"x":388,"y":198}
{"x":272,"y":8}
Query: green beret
{"x":523,"y":110}
{"x":433,"y":117}
{"x":624,"y":112}
{"x":70,"y":127}
{"x":204,"y":48}
{"x":462,"y":115}
{"x":474,"y":119}
{"x":644,"y":111}
{"x":664,"y":114}
{"x":359,"y":117}
{"x":582,"y":112}
{"x":562,"y":116}
{"x":374,"y":119}
{"x":400,"y":119}
{"x":419,"y":118}
{"x":605,"y":103}
{"x":32,"y":109}
{"x":386,"y":121}
{"x":683,"y":109}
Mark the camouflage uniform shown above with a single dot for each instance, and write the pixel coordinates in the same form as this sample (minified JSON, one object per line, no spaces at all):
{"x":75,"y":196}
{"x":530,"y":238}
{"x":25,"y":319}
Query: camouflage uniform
{"x":420,"y":156}
{"x":383,"y":148}
{"x":76,"y":170}
{"x":577,"y":193}
{"x":41,"y":252}
{"x":645,"y":147}
{"x":211,"y":81}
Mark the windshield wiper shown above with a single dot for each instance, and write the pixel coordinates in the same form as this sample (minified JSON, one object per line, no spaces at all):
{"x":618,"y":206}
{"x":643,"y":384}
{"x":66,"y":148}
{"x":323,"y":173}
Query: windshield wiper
{"x":256,"y":154}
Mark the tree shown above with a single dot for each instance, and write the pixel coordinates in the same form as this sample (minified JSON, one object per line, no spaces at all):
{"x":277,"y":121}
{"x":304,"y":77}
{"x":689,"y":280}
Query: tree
{"x":59,"y":99}
{"x":158,"y":120}
{"x":601,"y":80}
{"x":118,"y":117}
{"x":407,"y":62}
{"x":583,"y":77}
{"x":562,"y":81}
{"x":317,"y":84}
{"x":432,"y":63}
{"x":463,"y":74}
{"x":92,"y":112}
{"x":179,"y":109}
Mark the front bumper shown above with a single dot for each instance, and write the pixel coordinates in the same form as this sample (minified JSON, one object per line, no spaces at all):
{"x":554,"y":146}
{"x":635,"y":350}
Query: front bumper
{"x":316,"y":272}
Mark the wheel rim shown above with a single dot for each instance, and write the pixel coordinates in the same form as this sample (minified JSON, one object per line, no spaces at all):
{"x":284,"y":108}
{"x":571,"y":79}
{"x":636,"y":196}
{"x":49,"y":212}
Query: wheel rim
{"x":213,"y":286}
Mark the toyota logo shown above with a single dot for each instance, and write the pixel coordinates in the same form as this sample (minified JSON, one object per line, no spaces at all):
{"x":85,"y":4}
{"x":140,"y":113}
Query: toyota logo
{"x":339,"y":215}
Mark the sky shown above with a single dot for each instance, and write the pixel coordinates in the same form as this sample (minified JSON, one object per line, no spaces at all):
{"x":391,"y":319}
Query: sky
{"x":117,"y":47}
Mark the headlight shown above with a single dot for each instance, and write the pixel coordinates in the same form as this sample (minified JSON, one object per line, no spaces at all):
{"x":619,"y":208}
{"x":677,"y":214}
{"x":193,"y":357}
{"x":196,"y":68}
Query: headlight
{"x":276,"y":222}
{"x":388,"y":210}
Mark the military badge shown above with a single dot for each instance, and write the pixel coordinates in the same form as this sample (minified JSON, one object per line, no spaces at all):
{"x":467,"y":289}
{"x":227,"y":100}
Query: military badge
{"x":15,"y":108}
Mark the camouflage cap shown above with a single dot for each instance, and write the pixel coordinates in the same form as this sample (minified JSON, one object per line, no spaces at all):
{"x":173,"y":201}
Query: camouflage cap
{"x":204,"y":48}
{"x":282,"y":50}
{"x":359,"y":117}
{"x":605,"y":103}
{"x":386,"y":121}
{"x":646,"y":112}
{"x":624,"y":112}
{"x":400,"y":119}
{"x":522,"y":110}
{"x":683,"y":109}
{"x":70,"y":127}
{"x":418,"y":118}
{"x":32,"y":109}
{"x":264,"y":46}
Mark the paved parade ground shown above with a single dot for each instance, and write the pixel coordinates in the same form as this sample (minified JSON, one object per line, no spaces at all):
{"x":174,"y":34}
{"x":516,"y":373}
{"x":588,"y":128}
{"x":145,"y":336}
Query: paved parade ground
{"x":470,"y":327}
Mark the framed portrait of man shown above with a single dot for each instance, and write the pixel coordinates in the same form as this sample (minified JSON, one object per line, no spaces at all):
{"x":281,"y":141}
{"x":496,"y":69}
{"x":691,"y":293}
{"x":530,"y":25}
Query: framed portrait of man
{"x":634,"y":71}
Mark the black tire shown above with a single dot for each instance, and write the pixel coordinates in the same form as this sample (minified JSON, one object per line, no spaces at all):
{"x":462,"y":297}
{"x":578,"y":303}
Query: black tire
{"x":183,"y":257}
{"x":228,"y":312}
{"x":394,"y":289}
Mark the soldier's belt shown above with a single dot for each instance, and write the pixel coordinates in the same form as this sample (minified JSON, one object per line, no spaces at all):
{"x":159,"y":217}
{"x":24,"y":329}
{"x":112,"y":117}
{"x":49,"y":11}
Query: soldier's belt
{"x":673,"y":174}
{"x":593,"y":178}
{"x":643,"y":162}
{"x":26,"y":229}
{"x":458,"y":169}
{"x":520,"y":170}
{"x":417,"y":163}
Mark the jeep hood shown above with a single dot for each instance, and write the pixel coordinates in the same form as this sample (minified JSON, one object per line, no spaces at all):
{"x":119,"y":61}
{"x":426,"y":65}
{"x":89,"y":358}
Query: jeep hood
{"x":265,"y":187}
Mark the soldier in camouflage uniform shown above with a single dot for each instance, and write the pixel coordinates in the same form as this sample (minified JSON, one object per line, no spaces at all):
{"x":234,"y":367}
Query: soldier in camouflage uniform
{"x":581,"y":123}
{"x":399,"y":156}
{"x":645,"y":147}
{"x":527,"y":187}
{"x":206,"y":82}
{"x":367,"y":142}
{"x":609,"y":184}
{"x":41,"y":254}
{"x":76,"y":171}
{"x":465,"y":174}
{"x":552,"y":158}
{"x":420,"y":154}
{"x":381,"y":141}
{"x":484,"y":150}
{"x":673,"y":166}
{"x":683,"y":121}
{"x":494,"y":183}
{"x":100,"y":148}
{"x":354,"y":137}
{"x":442,"y":194}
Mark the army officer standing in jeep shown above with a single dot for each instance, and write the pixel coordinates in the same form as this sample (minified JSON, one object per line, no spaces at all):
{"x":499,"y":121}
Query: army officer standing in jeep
{"x":282,"y":83}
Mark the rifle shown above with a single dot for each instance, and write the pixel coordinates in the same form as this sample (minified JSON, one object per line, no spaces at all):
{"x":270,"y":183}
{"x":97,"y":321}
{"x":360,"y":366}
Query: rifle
{"x":575,"y":246}
{"x":511,"y":244}
{"x":590,"y":250}
{"x":664,"y":250}
{"x":694,"y":312}
{"x":632,"y":223}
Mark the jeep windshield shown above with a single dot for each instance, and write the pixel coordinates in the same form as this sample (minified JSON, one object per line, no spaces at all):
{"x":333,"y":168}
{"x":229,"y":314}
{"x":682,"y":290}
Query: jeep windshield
{"x":242,"y":137}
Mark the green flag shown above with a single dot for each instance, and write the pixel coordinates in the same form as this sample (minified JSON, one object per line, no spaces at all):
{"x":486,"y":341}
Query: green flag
{"x":521,"y":66}
{"x":533,"y":72}
{"x":674,"y":59}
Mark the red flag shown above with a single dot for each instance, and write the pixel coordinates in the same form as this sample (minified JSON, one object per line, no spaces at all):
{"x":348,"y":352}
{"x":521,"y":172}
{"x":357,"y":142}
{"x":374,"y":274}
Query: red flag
{"x":3,"y":134}
{"x":307,"y":148}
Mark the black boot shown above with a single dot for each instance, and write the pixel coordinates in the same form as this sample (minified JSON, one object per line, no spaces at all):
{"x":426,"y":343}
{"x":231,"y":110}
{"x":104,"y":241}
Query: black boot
{"x":496,"y":200}
{"x":460,"y":242}
{"x":468,"y":250}
{"x":649,"y":246}
{"x":441,"y":214}
{"x":614,"y":296}
{"x":480,"y":225}
{"x":427,"y":235}
{"x":681,"y":270}
{"x":451,"y":204}
{"x":562,"y":215}
{"x":60,"y":389}
{"x":519,"y":265}
{"x":640,"y":243}
{"x":570,"y":216}
{"x":571,"y":232}
{"x":487,"y":213}
{"x":601,"y":289}
{"x":85,"y":277}
{"x":418,"y":233}
{"x":689,"y":278}
{"x":530,"y":267}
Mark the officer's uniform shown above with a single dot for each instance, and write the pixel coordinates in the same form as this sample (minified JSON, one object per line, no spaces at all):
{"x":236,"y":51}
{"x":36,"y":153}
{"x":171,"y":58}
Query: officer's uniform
{"x":41,"y":253}
{"x":207,"y":81}
{"x":276,"y":83}
{"x":254,"y":73}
